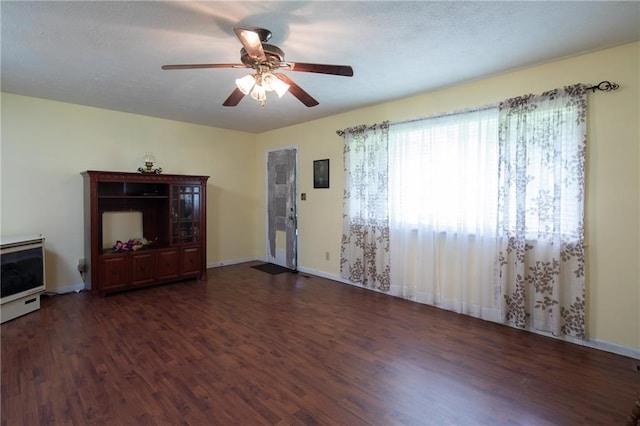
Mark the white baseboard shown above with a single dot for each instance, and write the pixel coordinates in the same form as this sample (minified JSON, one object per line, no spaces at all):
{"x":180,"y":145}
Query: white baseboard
{"x":602,"y":345}
{"x":612,"y":347}
{"x":329,"y":276}
{"x":67,"y":289}
{"x":231,"y":262}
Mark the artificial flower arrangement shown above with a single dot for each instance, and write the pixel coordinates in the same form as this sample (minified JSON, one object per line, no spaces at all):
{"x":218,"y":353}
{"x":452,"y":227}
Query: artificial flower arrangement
{"x":131,"y":245}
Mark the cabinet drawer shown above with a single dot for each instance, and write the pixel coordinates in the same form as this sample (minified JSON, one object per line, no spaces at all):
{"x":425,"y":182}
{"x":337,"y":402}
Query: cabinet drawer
{"x":167,"y":264}
{"x":113,"y":271}
{"x":190,"y":261}
{"x":142,"y":268}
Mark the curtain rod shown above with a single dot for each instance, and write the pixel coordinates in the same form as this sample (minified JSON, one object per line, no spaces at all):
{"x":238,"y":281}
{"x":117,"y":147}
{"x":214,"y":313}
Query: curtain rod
{"x":362,"y":127}
{"x":603,"y":86}
{"x":411,"y":120}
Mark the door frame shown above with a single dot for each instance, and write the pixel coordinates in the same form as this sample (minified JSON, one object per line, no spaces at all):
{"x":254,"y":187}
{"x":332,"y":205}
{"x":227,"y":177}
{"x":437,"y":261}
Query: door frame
{"x":266,"y":199}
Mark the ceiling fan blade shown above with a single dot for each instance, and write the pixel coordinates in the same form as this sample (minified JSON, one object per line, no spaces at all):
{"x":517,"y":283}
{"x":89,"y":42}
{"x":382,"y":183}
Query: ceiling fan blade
{"x":234,"y":99}
{"x":298,"y":92}
{"x":251,"y":42}
{"x":197,"y":66}
{"x":344,"y":70}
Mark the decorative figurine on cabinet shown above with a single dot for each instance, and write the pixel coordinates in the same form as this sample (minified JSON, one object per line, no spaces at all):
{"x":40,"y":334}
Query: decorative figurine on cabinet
{"x":149,"y":159}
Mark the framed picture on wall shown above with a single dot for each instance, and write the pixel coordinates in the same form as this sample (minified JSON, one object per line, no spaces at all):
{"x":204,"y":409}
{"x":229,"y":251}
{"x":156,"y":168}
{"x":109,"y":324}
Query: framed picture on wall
{"x":321,"y":173}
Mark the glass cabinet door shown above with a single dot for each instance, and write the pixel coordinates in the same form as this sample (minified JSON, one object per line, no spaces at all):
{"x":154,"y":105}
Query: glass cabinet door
{"x":185,"y":214}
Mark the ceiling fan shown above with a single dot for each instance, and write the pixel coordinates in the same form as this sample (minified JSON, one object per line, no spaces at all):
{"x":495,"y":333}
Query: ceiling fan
{"x":264,"y":59}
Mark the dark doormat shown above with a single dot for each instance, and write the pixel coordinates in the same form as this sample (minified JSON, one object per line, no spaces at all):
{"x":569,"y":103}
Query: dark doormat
{"x":272,"y":269}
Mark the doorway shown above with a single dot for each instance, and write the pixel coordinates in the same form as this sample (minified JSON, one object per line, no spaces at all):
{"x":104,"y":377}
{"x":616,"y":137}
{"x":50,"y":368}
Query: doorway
{"x":282,"y":217}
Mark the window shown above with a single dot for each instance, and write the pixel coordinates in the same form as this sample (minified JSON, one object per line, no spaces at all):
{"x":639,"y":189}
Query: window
{"x":443,"y":172}
{"x":478,"y":212}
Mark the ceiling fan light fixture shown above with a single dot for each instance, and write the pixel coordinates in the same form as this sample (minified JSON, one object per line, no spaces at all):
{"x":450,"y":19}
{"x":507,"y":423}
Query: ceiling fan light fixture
{"x":274,"y":84}
{"x":258,"y":93}
{"x":246,"y":83}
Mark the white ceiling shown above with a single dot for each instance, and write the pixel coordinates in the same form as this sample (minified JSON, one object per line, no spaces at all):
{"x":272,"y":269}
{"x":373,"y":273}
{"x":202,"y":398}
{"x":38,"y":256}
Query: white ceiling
{"x":108,"y":54}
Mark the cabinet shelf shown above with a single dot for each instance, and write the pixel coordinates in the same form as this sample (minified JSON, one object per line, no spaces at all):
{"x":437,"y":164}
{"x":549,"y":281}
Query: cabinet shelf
{"x":150,"y":247}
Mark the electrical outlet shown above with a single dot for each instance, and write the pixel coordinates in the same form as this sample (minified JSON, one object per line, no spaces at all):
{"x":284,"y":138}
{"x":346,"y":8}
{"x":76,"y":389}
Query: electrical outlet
{"x":326,"y":255}
{"x":82,"y":266}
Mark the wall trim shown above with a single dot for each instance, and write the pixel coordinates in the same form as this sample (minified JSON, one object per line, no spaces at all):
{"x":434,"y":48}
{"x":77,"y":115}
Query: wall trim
{"x":602,"y":345}
{"x":329,"y":276}
{"x":612,"y":347}
{"x":231,"y":262}
{"x":66,"y":289}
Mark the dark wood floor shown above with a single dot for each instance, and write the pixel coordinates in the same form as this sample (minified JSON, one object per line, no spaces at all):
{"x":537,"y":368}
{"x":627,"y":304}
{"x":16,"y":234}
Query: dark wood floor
{"x":251,"y":348}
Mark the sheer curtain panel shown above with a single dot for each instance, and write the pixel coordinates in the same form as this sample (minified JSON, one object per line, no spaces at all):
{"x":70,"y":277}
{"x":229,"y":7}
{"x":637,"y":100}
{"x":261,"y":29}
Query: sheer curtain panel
{"x":364,"y":256}
{"x":443,"y":191}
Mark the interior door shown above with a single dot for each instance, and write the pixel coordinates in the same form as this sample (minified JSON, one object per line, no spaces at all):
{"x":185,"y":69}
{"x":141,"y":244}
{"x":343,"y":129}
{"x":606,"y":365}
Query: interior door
{"x":282,"y":224}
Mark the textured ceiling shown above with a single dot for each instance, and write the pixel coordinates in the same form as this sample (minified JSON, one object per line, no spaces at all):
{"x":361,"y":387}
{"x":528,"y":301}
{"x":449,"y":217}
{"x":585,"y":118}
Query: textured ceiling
{"x":108,"y":54}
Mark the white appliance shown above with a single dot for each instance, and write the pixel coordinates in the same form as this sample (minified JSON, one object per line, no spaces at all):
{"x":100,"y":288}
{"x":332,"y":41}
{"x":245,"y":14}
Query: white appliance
{"x":23,"y":278}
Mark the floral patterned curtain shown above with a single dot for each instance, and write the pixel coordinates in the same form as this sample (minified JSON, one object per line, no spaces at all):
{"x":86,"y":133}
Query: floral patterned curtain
{"x":364,"y":256}
{"x":542,"y":149}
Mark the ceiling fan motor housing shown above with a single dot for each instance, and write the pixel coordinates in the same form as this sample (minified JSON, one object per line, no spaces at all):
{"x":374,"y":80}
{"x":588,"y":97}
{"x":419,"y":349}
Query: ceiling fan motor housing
{"x":274,"y":55}
{"x":263,"y":33}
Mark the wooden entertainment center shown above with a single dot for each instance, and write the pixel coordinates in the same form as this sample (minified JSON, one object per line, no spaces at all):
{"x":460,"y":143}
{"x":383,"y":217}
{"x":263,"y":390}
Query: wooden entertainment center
{"x":172,"y":209}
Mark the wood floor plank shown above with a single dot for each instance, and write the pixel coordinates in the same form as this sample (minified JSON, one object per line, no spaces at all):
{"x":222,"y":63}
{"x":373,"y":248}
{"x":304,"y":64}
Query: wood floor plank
{"x":247,"y":347}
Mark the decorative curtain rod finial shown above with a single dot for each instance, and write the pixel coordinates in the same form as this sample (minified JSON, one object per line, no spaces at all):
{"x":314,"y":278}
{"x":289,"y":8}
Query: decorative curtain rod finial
{"x":604,"y":86}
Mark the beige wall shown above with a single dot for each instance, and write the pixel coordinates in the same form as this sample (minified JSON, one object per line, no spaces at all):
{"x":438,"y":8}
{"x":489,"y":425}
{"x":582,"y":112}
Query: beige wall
{"x":46,"y":144}
{"x":613,"y":179}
